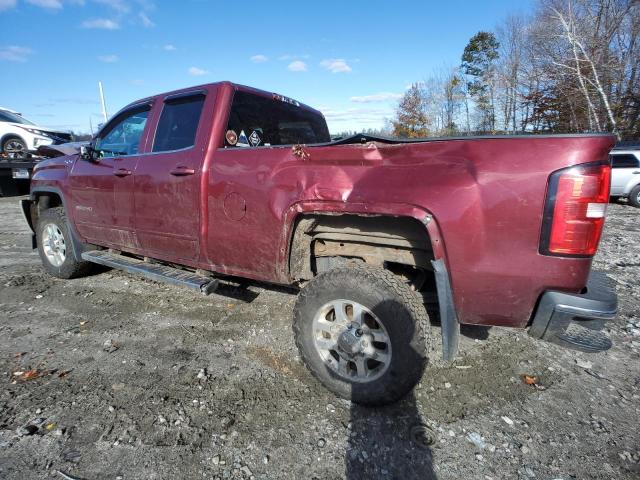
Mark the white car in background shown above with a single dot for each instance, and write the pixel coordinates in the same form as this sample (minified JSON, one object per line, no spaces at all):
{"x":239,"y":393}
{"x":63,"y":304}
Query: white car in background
{"x":19,"y":137}
{"x":625,"y":174}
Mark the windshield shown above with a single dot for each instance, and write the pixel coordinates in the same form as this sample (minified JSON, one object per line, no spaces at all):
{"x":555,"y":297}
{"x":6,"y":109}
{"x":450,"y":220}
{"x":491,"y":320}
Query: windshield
{"x":6,"y":116}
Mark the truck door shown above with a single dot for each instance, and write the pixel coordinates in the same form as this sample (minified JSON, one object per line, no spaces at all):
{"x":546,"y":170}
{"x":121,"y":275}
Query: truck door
{"x":167,"y":179}
{"x":102,"y":189}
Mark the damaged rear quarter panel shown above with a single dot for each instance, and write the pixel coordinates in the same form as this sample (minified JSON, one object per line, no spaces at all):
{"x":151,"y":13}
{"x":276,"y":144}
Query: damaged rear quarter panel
{"x":486,"y":197}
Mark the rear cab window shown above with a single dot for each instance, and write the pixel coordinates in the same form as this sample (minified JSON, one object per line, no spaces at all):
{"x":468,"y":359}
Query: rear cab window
{"x":178,"y":122}
{"x":259,"y":121}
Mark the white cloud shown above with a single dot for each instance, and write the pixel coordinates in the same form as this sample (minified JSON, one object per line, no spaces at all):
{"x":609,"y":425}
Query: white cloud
{"x":108,"y":58}
{"x":170,"y":48}
{"x":336,"y":65}
{"x":120,"y":6}
{"x":377,"y":97}
{"x":297,"y":66}
{"x":289,"y":56}
{"x":146,"y":21}
{"x":101,"y":23}
{"x":259,"y":58}
{"x":52,"y":4}
{"x":196,"y":72}
{"x":356,"y":119}
{"x":14,"y":53}
{"x":7,"y":4}
{"x":365,"y":114}
{"x":137,"y":82}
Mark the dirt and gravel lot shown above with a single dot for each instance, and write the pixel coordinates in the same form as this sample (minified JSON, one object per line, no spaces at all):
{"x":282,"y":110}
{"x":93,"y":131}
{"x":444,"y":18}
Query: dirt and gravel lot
{"x":113,"y":376}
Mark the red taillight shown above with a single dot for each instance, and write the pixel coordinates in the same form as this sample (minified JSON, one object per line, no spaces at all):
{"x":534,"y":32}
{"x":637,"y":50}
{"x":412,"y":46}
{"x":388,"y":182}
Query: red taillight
{"x":574,"y":213}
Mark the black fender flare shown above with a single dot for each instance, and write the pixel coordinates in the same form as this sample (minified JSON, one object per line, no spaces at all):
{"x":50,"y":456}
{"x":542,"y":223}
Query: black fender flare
{"x":77,"y":246}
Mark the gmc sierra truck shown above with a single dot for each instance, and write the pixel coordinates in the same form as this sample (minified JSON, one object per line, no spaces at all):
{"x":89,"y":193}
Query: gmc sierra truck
{"x":210,"y":183}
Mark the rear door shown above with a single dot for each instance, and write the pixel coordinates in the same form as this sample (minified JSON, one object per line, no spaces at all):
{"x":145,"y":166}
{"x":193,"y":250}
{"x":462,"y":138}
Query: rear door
{"x":102,"y":189}
{"x":625,"y":169}
{"x":167,"y":178}
{"x":245,"y":196}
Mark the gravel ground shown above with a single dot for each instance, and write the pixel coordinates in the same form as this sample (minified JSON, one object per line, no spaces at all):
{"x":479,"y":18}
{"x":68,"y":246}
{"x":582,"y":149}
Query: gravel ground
{"x":113,"y":376}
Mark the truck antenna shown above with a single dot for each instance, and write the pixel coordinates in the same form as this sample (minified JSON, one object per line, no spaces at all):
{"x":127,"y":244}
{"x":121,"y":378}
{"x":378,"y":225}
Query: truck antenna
{"x":104,"y":108}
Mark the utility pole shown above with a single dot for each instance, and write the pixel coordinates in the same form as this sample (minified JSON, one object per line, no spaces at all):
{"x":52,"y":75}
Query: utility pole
{"x":104,"y":108}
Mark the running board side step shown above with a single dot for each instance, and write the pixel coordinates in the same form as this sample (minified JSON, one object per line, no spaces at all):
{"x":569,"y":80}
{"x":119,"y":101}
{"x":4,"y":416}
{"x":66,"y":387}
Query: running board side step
{"x":153,"y":271}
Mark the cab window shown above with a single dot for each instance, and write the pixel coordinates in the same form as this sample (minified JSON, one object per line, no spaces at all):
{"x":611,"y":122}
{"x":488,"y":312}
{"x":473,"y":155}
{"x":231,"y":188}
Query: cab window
{"x":257,"y":121}
{"x":122,"y":136}
{"x":178,"y":123}
{"x":624,"y":160}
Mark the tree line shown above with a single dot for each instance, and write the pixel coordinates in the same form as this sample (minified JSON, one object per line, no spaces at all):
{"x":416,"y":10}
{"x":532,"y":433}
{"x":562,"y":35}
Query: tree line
{"x":571,"y":66}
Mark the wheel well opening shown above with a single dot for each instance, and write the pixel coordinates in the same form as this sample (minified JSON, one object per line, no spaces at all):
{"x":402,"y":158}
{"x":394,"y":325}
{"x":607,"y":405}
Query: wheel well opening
{"x":44,"y":201}
{"x":11,"y":136}
{"x":399,"y":244}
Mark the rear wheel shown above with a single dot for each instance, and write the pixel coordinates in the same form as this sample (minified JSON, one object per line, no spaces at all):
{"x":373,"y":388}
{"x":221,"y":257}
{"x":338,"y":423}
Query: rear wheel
{"x":54,"y":246}
{"x":360,"y":332}
{"x":634,"y":196}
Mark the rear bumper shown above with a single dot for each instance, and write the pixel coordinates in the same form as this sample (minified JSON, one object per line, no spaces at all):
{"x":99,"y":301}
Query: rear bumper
{"x":575,"y":320}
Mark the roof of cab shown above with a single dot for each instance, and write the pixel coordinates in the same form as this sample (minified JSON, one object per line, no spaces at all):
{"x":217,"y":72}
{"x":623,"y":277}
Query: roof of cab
{"x":237,"y":86}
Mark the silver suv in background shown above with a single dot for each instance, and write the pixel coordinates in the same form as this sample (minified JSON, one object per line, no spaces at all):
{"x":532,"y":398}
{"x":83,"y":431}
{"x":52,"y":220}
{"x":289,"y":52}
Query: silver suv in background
{"x":625,"y":174}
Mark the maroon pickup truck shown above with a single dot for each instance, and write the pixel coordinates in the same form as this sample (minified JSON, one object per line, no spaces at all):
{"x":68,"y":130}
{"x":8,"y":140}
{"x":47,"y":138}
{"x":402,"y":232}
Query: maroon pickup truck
{"x":205,"y":184}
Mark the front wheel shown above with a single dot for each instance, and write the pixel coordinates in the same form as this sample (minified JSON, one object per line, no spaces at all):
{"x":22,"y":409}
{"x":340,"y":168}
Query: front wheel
{"x":360,"y":331}
{"x":15,"y":148}
{"x":54,"y":246}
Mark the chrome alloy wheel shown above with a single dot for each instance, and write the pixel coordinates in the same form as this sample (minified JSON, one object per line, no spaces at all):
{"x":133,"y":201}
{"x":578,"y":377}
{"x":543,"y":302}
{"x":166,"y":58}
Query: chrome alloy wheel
{"x":53,"y":244}
{"x":352,"y":341}
{"x":14,"y":149}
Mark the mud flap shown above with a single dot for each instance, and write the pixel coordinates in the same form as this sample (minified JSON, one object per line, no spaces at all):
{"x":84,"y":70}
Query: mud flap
{"x":448,"y":317}
{"x":25,"y":205}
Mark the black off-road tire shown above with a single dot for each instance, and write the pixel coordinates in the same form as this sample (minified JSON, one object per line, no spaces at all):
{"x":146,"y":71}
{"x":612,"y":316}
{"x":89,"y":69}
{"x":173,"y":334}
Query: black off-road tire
{"x":634,"y":196}
{"x":70,"y":268}
{"x":397,"y":307}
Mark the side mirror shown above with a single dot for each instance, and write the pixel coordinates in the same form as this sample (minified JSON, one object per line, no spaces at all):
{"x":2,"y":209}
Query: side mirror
{"x":87,"y":153}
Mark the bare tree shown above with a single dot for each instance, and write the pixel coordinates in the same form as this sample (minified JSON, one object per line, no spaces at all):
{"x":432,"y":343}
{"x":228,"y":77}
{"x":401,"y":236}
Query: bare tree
{"x":569,"y":66}
{"x":512,"y":36}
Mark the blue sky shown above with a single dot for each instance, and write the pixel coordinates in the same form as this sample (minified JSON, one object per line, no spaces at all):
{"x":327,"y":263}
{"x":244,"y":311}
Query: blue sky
{"x":351,"y":59}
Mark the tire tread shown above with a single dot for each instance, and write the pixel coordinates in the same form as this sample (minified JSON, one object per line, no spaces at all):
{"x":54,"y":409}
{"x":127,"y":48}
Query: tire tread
{"x":420,"y":340}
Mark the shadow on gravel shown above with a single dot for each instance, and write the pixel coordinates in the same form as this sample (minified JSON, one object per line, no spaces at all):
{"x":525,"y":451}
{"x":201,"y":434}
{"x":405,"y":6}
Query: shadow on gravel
{"x":238,"y":292}
{"x":389,"y":442}
{"x":479,"y":332}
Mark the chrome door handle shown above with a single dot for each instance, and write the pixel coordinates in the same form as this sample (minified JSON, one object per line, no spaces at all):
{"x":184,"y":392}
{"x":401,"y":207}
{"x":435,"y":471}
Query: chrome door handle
{"x":181,"y":171}
{"x":122,"y":172}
